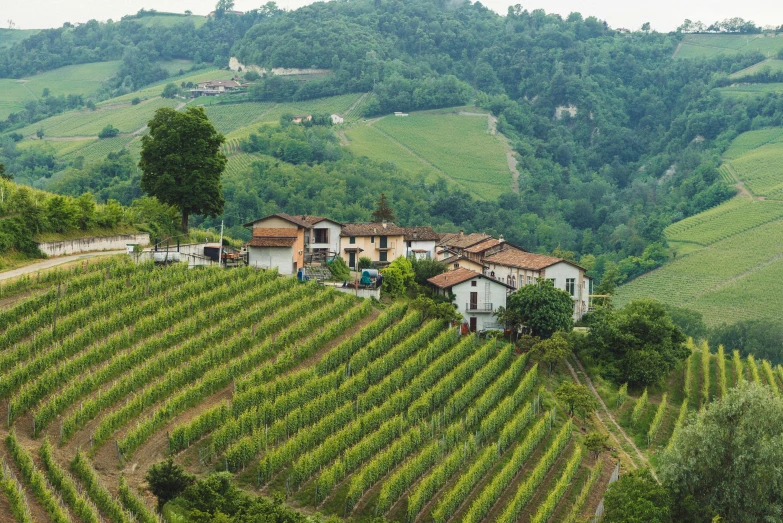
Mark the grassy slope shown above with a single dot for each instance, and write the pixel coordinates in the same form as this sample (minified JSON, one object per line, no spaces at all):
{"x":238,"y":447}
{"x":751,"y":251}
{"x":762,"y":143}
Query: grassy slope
{"x":708,"y":45}
{"x":728,"y":261}
{"x":438,"y":143}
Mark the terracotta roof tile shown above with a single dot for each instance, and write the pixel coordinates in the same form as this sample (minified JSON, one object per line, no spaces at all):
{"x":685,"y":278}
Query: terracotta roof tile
{"x":522,"y":260}
{"x":458,"y":257}
{"x":483,"y":246}
{"x":274,"y":232}
{"x":451,"y":278}
{"x":271,"y":242}
{"x":421,"y":234}
{"x":463,"y":241}
{"x":284,"y":216}
{"x":372,"y":229}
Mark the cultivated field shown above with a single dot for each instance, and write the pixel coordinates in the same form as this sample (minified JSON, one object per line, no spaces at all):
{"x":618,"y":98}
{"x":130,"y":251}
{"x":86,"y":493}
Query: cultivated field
{"x":169,"y":20}
{"x":349,"y":409}
{"x":457,"y":147}
{"x":772,"y":65}
{"x":751,"y":90}
{"x":708,"y":45}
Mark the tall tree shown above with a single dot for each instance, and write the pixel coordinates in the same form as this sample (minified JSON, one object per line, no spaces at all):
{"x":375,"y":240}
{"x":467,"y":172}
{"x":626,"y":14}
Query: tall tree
{"x":637,"y":498}
{"x":729,"y":460}
{"x":542,"y":308}
{"x":384,"y":211}
{"x":4,"y":175}
{"x":181,"y":162}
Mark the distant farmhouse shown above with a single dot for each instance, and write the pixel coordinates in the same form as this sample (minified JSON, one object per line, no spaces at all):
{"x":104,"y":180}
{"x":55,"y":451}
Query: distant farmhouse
{"x":214,"y":88}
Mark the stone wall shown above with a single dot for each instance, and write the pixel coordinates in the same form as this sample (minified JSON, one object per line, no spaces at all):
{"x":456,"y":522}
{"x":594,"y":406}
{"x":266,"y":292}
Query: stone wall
{"x":99,"y":243}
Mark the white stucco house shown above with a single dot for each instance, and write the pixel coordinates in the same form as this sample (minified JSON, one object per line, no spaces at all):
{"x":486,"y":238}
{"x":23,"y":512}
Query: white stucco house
{"x":476,"y":296}
{"x":277,"y":242}
{"x":517,"y":268}
{"x":420,"y":242}
{"x":322,"y":240}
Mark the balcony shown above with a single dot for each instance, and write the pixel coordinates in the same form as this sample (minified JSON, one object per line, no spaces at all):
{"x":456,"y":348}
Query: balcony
{"x":478,"y":307}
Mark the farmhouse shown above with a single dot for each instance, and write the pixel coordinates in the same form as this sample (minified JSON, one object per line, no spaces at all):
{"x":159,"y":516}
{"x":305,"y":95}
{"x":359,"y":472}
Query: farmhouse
{"x":381,"y":242}
{"x":516,"y":268}
{"x":451,"y":244}
{"x":477,"y":296}
{"x":278,"y":241}
{"x":461,"y":262}
{"x":322,"y":240}
{"x":302,"y":118}
{"x":420,"y":242}
{"x":214,"y":88}
{"x":337,"y":119}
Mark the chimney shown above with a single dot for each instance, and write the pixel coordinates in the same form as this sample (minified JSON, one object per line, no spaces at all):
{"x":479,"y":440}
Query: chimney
{"x":500,"y":239}
{"x":461,"y":233}
{"x":384,"y":224}
{"x":375,"y":230}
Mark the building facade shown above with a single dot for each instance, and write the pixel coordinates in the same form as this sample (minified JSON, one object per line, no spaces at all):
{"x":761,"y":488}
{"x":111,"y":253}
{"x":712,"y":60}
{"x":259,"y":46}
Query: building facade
{"x":420,"y":242}
{"x":476,"y":296}
{"x":278,"y":242}
{"x":382,"y":243}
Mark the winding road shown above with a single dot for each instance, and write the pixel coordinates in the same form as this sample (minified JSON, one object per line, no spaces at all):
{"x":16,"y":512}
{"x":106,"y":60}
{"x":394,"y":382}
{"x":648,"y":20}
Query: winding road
{"x":53,"y":262}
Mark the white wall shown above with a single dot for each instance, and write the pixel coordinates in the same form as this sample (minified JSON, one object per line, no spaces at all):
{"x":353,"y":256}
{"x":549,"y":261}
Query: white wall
{"x":270,"y":257}
{"x":334,"y":236}
{"x":560,"y":272}
{"x":100,"y":243}
{"x":484,"y":320}
{"x":428,"y":245}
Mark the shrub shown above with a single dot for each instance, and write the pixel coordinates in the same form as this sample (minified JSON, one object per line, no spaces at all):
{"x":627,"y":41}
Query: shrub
{"x":365,"y":262}
{"x":136,"y":101}
{"x":108,"y":132}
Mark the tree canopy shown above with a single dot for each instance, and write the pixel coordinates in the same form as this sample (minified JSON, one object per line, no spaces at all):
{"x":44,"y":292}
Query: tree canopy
{"x":182,"y":163}
{"x":728,"y":460}
{"x":638,"y":344}
{"x":637,"y":498}
{"x":543,"y":308}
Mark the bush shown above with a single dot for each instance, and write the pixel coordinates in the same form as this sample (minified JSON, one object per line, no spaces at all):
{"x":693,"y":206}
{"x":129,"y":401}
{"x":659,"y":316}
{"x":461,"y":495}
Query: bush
{"x":136,"y":101}
{"x":170,"y":91}
{"x":252,"y":76}
{"x":167,"y":480}
{"x":108,"y":132}
{"x":339,"y":269}
{"x":365,"y":262}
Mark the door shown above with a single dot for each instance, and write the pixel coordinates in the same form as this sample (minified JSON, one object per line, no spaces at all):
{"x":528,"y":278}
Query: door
{"x":352,"y":260}
{"x":473,"y":325}
{"x":384,"y":242}
{"x":473,"y":301}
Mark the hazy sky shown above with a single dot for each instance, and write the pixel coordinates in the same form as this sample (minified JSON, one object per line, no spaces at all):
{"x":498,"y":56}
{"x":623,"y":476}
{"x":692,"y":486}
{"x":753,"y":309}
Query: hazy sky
{"x":664,"y":15}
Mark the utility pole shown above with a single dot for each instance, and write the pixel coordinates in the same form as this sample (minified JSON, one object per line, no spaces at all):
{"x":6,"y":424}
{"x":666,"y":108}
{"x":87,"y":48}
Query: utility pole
{"x":220,"y":247}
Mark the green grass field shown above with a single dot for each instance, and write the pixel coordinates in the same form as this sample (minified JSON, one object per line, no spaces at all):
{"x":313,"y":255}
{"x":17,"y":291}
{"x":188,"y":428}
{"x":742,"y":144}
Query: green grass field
{"x":170,"y":20}
{"x":126,"y":118}
{"x":458,"y":147}
{"x":231,"y":117}
{"x":153,"y":90}
{"x":366,"y":140}
{"x":9,"y":37}
{"x":709,"y":45}
{"x":750,"y":90}
{"x":772,"y":65}
{"x":81,"y":79}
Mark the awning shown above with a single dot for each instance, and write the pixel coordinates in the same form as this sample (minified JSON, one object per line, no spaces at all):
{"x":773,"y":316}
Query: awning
{"x":354,"y":249}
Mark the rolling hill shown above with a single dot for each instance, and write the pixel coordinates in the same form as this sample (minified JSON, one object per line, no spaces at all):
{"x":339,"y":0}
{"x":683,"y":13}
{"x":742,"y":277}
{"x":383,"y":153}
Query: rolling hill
{"x":728,"y":259}
{"x":709,"y":45}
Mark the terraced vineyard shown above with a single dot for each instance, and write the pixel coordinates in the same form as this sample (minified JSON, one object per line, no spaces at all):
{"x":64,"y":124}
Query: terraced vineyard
{"x":293,"y":387}
{"x":727,"y":259}
{"x":127,"y":119}
{"x":709,"y":45}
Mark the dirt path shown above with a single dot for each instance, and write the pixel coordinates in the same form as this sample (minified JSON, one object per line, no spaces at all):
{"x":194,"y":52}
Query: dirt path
{"x":608,"y":414}
{"x":47,"y":264}
{"x":679,"y":46}
{"x":740,"y":185}
{"x":492,"y":127}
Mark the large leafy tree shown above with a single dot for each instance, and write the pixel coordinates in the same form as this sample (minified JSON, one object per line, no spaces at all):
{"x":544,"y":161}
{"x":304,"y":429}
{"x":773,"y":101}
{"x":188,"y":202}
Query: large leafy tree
{"x":182,"y":163}
{"x":637,"y":498}
{"x":729,"y":460}
{"x":543,"y":308}
{"x":638,"y":344}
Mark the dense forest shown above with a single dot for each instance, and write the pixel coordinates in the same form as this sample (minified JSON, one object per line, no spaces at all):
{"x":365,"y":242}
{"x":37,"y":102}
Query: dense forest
{"x":636,"y":149}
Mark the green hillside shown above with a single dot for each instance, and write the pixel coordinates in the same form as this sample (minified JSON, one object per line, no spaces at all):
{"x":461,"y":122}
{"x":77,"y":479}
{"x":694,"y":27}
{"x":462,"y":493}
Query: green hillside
{"x":9,"y":37}
{"x":728,"y":260}
{"x":709,"y":45}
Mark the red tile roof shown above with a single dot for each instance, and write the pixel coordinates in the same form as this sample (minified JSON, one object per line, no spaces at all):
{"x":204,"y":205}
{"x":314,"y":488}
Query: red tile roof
{"x":275,"y":232}
{"x":483,"y":246}
{"x":372,"y":229}
{"x":271,"y":242}
{"x":287,"y":217}
{"x":523,"y":260}
{"x":462,"y":241}
{"x":421,"y":234}
{"x":451,"y":278}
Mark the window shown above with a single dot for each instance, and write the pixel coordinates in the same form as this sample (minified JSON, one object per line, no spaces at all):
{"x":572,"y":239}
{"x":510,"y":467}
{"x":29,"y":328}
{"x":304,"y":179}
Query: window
{"x":352,"y":240}
{"x":571,"y":286}
{"x":382,"y":256}
{"x":372,"y":239}
{"x":514,"y":282}
{"x":473,"y":283}
{"x":529,"y":280}
{"x":321,"y":235}
{"x":554,"y":282}
{"x":492,"y":274}
{"x":456,"y":265}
